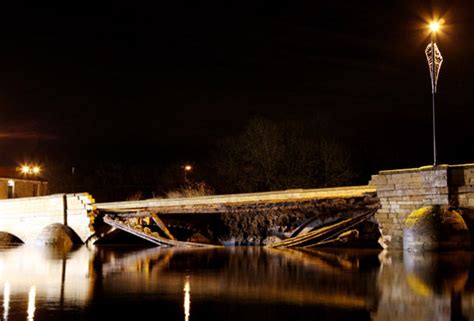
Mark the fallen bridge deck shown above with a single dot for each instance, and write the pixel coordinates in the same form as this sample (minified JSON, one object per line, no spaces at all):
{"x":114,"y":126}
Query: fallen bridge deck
{"x":225,"y":203}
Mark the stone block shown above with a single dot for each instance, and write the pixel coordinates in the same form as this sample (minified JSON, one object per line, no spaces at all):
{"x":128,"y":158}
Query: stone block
{"x":416,"y":180}
{"x":381,"y":215}
{"x":397,"y":232}
{"x":410,"y":198}
{"x":385,"y":187}
{"x":384,"y":221}
{"x":414,"y":186}
{"x":440,"y":183}
{"x":378,"y":180}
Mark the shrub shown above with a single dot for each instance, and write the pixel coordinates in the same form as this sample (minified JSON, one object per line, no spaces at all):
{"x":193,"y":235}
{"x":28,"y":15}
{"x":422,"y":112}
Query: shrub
{"x":191,"y":190}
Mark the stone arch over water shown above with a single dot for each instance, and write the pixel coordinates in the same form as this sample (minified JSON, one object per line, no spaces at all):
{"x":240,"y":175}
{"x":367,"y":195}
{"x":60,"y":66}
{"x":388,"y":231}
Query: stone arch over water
{"x":60,"y":235}
{"x":9,"y":239}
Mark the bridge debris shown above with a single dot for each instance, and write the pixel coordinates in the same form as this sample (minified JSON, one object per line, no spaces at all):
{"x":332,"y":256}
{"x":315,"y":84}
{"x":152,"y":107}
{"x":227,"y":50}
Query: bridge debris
{"x":149,"y":228}
{"x":243,"y":219}
{"x":340,"y":231}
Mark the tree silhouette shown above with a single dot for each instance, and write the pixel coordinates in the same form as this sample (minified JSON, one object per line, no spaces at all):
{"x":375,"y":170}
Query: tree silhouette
{"x":272,"y":156}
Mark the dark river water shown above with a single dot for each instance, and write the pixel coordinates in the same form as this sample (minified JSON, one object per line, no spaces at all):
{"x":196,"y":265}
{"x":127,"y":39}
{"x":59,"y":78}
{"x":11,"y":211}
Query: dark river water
{"x":233,"y":284}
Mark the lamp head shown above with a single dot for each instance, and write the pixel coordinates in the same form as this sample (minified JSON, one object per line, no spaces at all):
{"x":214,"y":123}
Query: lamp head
{"x":434,"y":26}
{"x":25,"y":169}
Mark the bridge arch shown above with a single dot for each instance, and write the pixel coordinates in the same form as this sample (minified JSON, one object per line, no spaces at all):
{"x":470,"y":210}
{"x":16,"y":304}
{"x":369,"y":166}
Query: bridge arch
{"x":58,"y":234}
{"x":9,"y":239}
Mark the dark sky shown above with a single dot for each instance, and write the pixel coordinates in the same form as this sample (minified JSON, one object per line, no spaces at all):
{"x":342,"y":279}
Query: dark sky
{"x":145,"y":81}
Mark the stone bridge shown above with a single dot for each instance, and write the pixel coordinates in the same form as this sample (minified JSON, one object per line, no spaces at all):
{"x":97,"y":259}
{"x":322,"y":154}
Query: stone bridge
{"x":252,"y":218}
{"x":248,"y":217}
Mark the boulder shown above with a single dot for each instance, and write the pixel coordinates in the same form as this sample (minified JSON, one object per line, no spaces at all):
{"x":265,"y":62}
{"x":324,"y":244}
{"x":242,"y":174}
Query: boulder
{"x":435,"y":228}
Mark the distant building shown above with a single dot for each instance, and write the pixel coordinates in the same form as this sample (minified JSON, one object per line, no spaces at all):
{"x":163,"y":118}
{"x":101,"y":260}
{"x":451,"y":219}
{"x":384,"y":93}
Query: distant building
{"x":14,"y":185}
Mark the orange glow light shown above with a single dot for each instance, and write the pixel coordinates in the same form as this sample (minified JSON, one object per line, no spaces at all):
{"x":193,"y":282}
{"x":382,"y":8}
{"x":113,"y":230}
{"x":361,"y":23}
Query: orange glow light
{"x":434,"y":26}
{"x":25,"y":169}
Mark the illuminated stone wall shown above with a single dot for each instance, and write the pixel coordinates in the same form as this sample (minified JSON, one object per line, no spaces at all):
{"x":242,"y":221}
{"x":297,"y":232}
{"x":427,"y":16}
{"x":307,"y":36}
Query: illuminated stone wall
{"x":26,"y":217}
{"x":402,"y":191}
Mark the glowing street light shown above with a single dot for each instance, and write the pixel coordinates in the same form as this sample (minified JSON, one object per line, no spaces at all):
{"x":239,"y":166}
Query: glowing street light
{"x":433,"y":55}
{"x":25,"y":169}
{"x":28,"y":170}
{"x":187,"y":168}
{"x":434,"y":26}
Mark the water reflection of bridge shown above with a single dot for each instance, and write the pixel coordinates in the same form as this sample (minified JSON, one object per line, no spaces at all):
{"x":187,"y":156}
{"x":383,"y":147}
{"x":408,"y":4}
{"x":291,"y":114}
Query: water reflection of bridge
{"x":83,"y":277}
{"x":287,"y":276}
{"x":427,"y":287}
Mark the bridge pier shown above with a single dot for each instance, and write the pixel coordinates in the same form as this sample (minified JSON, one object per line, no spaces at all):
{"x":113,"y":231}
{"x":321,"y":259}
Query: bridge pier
{"x":402,"y":191}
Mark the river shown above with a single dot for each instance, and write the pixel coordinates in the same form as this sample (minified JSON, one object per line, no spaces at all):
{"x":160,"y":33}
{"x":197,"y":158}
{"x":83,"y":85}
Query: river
{"x":112,"y":283}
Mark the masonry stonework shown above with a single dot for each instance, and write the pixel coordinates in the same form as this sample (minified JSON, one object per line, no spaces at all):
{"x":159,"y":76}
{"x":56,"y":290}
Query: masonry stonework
{"x":402,"y":191}
{"x":26,"y":217}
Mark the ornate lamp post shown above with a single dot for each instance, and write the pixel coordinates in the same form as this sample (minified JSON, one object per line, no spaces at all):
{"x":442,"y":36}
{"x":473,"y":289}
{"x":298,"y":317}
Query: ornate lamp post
{"x":433,"y":55}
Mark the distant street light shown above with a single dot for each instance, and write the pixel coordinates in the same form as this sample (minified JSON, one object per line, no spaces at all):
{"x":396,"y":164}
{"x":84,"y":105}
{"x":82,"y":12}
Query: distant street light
{"x":30,"y":170}
{"x":25,"y":169}
{"x":187,"y":168}
{"x":433,"y":55}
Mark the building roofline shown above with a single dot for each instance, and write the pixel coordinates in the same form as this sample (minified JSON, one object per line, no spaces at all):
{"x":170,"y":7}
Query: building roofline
{"x":24,"y":179}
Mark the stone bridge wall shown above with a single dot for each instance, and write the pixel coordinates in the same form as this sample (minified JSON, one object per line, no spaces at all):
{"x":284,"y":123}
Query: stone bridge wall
{"x":26,"y":217}
{"x":402,"y":191}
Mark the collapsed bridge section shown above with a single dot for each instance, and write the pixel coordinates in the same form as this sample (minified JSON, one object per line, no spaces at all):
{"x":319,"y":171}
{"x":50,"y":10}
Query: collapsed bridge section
{"x":238,"y":219}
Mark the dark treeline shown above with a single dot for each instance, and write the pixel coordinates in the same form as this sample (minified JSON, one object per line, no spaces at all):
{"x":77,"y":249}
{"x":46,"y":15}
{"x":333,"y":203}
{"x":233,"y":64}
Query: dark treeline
{"x":271,"y":155}
{"x":265,"y":155}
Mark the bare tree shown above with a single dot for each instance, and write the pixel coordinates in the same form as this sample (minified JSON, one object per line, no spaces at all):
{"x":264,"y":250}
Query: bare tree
{"x":271,"y":156}
{"x":335,"y":163}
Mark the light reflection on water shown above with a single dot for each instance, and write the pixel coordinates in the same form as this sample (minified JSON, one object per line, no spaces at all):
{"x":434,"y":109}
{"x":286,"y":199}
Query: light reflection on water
{"x":31,"y":303}
{"x":187,"y":298}
{"x":234,"y":284}
{"x":6,"y":300}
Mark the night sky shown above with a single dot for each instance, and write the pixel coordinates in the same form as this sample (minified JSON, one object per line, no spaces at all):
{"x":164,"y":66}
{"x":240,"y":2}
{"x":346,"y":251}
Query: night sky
{"x":131,"y":81}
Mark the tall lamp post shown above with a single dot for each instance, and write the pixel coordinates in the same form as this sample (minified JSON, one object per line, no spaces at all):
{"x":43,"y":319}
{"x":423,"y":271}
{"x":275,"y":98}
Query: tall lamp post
{"x":433,"y":55}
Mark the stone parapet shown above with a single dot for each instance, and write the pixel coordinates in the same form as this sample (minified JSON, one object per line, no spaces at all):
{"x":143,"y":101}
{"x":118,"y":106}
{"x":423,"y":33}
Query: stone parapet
{"x":26,"y":217}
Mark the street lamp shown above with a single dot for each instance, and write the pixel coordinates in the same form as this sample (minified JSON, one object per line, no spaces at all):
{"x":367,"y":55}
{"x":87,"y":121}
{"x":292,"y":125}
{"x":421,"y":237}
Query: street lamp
{"x":434,"y":26}
{"x":30,"y":170}
{"x":187,"y":168}
{"x":25,"y":169}
{"x":433,"y":55}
